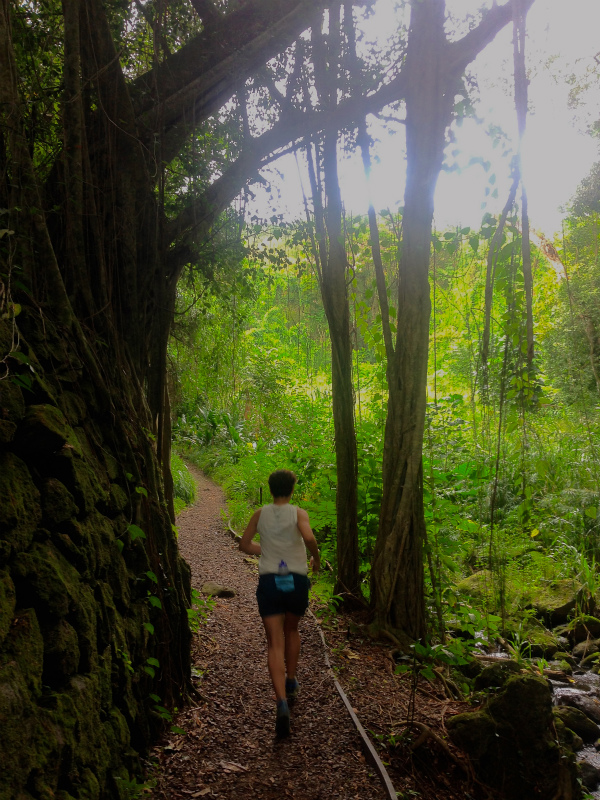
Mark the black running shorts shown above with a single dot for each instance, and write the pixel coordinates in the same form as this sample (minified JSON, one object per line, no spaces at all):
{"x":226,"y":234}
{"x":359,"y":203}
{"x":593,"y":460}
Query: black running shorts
{"x":278,"y":594}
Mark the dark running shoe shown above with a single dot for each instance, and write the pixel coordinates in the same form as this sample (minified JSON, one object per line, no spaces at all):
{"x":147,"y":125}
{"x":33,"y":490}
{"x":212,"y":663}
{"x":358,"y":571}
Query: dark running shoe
{"x":292,"y":687}
{"x":282,"y":722}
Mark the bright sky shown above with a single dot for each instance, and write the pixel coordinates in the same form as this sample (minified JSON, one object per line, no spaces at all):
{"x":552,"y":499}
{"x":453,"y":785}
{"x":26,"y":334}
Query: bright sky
{"x":562,"y":40}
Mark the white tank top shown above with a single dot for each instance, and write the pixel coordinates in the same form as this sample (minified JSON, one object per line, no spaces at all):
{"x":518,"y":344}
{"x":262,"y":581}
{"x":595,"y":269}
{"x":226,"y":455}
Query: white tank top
{"x":280,"y":540}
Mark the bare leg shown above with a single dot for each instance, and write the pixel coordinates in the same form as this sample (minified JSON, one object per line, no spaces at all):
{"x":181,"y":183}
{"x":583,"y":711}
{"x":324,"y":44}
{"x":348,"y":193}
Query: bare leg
{"x":275,"y":652}
{"x":292,"y":643}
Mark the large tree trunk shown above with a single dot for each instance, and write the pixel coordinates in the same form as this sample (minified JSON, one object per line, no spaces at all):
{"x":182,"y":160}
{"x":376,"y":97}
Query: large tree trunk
{"x":433,"y":71}
{"x":397,"y":573}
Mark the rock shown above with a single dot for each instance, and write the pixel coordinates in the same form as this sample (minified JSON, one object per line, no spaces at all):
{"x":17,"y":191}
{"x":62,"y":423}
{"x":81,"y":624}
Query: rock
{"x":7,"y":431}
{"x":589,"y":661}
{"x":212,"y":589}
{"x":479,"y":584}
{"x":20,"y":510}
{"x":61,"y":653}
{"x":578,"y":722}
{"x":512,"y":745}
{"x":584,"y":627}
{"x":568,"y":738}
{"x":589,"y":774}
{"x":585,"y":648}
{"x":58,"y":504}
{"x":7,"y":603}
{"x":588,"y":682}
{"x":557,"y":600}
{"x":542,"y":642}
{"x":561,"y":655}
{"x":589,"y":705}
{"x":496,"y":675}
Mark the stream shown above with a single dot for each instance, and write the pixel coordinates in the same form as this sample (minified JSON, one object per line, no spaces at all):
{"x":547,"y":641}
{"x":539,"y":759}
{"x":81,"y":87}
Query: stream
{"x":583,"y":692}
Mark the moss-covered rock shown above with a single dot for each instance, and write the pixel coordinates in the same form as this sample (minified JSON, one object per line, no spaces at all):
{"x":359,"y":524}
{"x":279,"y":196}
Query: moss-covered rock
{"x":58,"y":504}
{"x":72,"y":406}
{"x":495,"y":675}
{"x":12,"y":406}
{"x":80,"y":479}
{"x":20,"y":510}
{"x":47,"y":579}
{"x":61,"y":652}
{"x":479,"y":584}
{"x":556,"y":601}
{"x":512,"y":744}
{"x":24,"y":648}
{"x":578,"y":722}
{"x":44,"y":429}
{"x":8,"y":603}
{"x":542,"y":643}
{"x":7,"y":431}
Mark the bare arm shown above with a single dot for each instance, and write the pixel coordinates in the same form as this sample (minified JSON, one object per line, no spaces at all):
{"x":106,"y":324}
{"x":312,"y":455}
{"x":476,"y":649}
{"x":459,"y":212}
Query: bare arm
{"x":246,"y":543}
{"x":309,"y":539}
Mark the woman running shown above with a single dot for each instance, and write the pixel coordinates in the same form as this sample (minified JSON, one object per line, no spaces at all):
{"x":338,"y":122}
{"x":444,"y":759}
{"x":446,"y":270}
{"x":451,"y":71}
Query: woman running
{"x":283,"y":584}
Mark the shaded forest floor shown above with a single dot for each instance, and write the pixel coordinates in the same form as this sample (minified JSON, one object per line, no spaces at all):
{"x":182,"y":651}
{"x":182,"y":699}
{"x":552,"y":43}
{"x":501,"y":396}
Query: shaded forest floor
{"x":229,"y":749}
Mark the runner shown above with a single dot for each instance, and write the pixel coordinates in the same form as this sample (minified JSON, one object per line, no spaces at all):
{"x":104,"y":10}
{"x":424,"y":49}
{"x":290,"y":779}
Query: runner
{"x":283,"y":584}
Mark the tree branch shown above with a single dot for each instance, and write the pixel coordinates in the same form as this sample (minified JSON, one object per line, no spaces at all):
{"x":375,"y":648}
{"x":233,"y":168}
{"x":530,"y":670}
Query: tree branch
{"x":206,"y":72}
{"x":207,"y":11}
{"x":462,"y":52}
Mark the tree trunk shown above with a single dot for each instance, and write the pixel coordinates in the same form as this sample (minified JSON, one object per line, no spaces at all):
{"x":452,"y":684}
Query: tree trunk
{"x":334,"y":292}
{"x":397,"y":573}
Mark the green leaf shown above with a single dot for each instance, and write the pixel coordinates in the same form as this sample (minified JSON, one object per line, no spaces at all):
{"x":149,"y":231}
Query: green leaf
{"x":141,"y":490}
{"x":154,"y":601}
{"x":149,"y":671}
{"x":149,"y":627}
{"x":154,"y":662}
{"x":152,"y":576}
{"x":154,"y":697}
{"x":136,"y":532}
{"x":591,"y":512}
{"x":176,"y":729}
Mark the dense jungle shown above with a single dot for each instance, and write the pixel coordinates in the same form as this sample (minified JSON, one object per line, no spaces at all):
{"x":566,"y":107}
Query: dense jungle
{"x":434,"y":388}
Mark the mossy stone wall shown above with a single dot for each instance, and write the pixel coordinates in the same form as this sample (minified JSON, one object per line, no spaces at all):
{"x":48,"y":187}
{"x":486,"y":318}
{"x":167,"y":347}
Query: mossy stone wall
{"x":77,"y":468}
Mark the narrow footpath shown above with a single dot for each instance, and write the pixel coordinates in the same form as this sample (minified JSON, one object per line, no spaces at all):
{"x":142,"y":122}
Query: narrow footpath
{"x":229,"y":750}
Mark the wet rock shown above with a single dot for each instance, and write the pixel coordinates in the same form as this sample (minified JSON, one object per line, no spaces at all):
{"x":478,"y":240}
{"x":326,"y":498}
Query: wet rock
{"x":578,"y":722}
{"x":589,"y":705}
{"x":212,"y":589}
{"x":512,"y":745}
{"x":587,"y":682}
{"x":590,"y":661}
{"x":561,"y":655}
{"x":589,"y":774}
{"x":585,"y":648}
{"x":567,"y":737}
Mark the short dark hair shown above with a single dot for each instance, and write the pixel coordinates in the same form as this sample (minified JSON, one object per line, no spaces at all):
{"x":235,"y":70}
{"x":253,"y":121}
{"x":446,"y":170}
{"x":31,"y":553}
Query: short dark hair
{"x":282,"y":482}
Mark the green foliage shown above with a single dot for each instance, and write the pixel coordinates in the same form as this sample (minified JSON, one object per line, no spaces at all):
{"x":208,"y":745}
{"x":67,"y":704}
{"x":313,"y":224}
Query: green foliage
{"x":510,"y":476}
{"x":201,"y":608}
{"x":184,"y":486}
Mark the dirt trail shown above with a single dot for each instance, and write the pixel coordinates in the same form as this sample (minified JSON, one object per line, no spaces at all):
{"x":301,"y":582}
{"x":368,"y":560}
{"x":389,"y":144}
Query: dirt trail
{"x":230,"y":749}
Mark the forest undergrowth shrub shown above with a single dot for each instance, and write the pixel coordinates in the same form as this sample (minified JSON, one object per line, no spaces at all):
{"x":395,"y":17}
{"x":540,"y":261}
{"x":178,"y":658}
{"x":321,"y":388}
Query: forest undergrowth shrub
{"x":184,"y":486}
